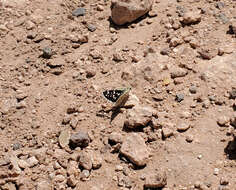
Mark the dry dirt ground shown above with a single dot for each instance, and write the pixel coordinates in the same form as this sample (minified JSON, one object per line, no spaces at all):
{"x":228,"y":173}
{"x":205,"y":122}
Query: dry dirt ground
{"x":186,"y":73}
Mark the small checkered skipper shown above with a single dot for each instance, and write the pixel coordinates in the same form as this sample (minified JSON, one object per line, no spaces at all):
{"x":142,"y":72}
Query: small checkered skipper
{"x":117,"y":96}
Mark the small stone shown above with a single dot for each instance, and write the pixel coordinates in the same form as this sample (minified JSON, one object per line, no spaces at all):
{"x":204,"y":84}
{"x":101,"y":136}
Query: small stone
{"x":29,"y":25}
{"x":91,"y":27}
{"x":199,"y":156}
{"x":80,"y":139}
{"x":64,"y":138}
{"x":189,"y":138}
{"x":100,"y":8}
{"x":179,"y":97}
{"x":165,"y":51}
{"x":156,"y":180}
{"x":224,"y":181}
{"x":32,"y":161}
{"x":90,"y":73}
{"x":85,"y":160}
{"x":43,"y":185}
{"x":223,"y":120}
{"x":166,"y":132}
{"x":74,"y":122}
{"x":72,"y":181}
{"x":220,"y":5}
{"x":232,"y":94}
{"x":115,"y":138}
{"x":16,"y":146}
{"x":23,"y":164}
{"x":193,"y":89}
{"x":79,"y":11}
{"x":135,"y":149}
{"x":152,"y":13}
{"x":119,"y":168}
{"x":216,"y":171}
{"x":178,"y":72}
{"x":84,"y":174}
{"x":183,"y":127}
{"x":96,"y":161}
{"x":117,"y":57}
{"x":191,"y":18}
{"x":47,"y":53}
{"x":59,"y":178}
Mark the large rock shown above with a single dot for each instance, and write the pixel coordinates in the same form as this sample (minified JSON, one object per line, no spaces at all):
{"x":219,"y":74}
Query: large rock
{"x":125,"y":11}
{"x":135,"y":149}
{"x":139,"y":116}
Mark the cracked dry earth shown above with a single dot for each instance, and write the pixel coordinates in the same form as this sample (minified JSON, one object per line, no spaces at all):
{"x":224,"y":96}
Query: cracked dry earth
{"x":177,"y":131}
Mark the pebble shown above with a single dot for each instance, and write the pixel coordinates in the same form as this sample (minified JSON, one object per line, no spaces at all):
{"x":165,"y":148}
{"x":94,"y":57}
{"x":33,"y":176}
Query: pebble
{"x":223,"y":121}
{"x":16,"y":146}
{"x":183,"y":127}
{"x":191,"y":17}
{"x":189,"y":138}
{"x":72,"y":181}
{"x":91,"y":27}
{"x":224,"y":181}
{"x":85,"y":160}
{"x":115,"y":138}
{"x":80,"y":139}
{"x":43,"y":185}
{"x":178,"y":72}
{"x":193,"y":89}
{"x":96,"y":161}
{"x":232,"y":94}
{"x":90,"y":73}
{"x":79,"y":11}
{"x":64,"y":138}
{"x":119,"y":168}
{"x":167,"y":132}
{"x":179,"y":97}
{"x":84,"y":174}
{"x":100,"y":8}
{"x":47,"y":53}
{"x":135,"y":149}
{"x":156,"y":180}
{"x":32,"y":161}
{"x":216,"y":171}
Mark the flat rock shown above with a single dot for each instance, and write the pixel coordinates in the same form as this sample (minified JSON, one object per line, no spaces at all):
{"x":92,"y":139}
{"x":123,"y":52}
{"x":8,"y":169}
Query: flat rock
{"x":181,"y":127}
{"x":126,"y":11}
{"x":135,"y":149}
{"x":64,"y":138}
{"x":139,"y":116}
{"x":79,"y":11}
{"x":156,"y":180}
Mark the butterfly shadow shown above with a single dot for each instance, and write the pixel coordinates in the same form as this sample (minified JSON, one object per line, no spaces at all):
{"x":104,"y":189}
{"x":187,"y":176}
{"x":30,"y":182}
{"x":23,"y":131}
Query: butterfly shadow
{"x":114,"y":114}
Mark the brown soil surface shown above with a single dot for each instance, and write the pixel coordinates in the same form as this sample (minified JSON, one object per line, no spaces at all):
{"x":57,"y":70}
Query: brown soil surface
{"x":185,"y":72}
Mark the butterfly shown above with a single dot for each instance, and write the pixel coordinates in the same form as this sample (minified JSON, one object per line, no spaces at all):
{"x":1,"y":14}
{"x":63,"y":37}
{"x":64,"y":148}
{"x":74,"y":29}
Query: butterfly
{"x":117,"y":96}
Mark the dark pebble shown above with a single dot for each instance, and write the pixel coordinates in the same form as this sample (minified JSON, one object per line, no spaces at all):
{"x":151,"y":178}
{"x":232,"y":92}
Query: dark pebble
{"x":16,"y":146}
{"x":47,"y":52}
{"x":193,"y":89}
{"x":91,"y":27}
{"x":233,"y":94}
{"x":179,"y":97}
{"x":79,"y":12}
{"x":79,"y":139}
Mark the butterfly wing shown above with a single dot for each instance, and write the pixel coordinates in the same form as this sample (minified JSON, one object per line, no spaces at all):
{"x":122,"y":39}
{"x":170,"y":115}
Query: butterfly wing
{"x":113,"y":95}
